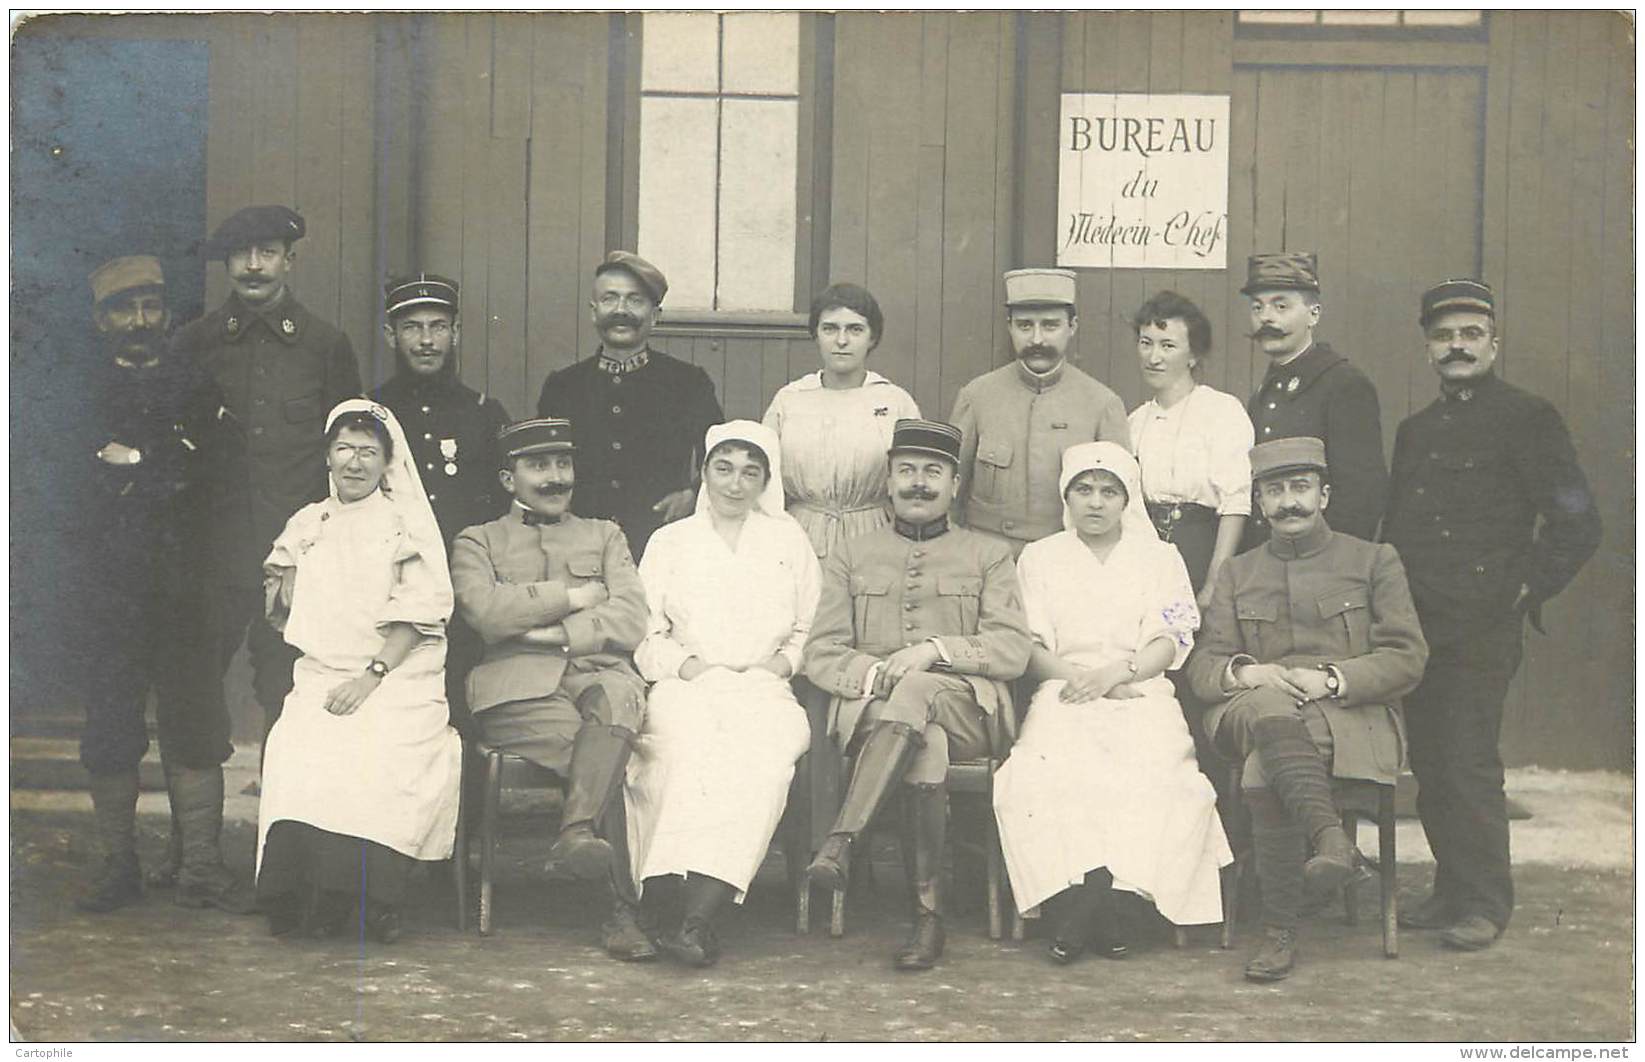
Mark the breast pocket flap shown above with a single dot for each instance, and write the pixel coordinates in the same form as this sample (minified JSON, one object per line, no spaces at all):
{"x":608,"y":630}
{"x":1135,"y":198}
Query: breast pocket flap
{"x":861,"y":585}
{"x":959,"y":586}
{"x":584,"y":568}
{"x":1256,"y":610}
{"x":303,"y":410}
{"x":1332,"y":605}
{"x":995,"y":452}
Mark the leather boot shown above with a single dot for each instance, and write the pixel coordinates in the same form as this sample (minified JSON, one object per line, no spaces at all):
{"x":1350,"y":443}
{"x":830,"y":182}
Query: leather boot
{"x":598,"y":759}
{"x":880,"y":765}
{"x":928,"y":809}
{"x":1296,"y":773}
{"x":625,"y":934}
{"x":1279,"y":851}
{"x":694,"y":942}
{"x":203,"y":881}
{"x":114,"y":805}
{"x":165,"y":875}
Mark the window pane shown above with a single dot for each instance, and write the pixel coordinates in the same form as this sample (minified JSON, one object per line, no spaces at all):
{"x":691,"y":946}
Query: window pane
{"x":762,"y":52}
{"x":677,"y":178}
{"x":1280,"y":18}
{"x":680,"y":52}
{"x":758,"y":157}
{"x":1360,"y":18}
{"x":1442,"y":18}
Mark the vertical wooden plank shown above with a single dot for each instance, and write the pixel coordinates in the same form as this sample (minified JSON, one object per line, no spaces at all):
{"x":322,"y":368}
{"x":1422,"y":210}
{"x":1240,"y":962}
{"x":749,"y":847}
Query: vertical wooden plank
{"x":228,"y":143}
{"x":893,"y":159}
{"x":1240,"y":355}
{"x":594,"y":34}
{"x":1498,"y":106}
{"x":438,"y":247}
{"x":505,"y":263}
{"x":1555,"y":245}
{"x":773,"y":372}
{"x":274,"y":141}
{"x":1005,"y":175}
{"x":1383,"y":334}
{"x":358,"y":266}
{"x":1208,"y":67}
{"x":1352,"y":312}
{"x":1037,"y":138}
{"x":926,"y":383}
{"x":1524,"y":185}
{"x":740,"y":384}
{"x":318,"y":78}
{"x":854,"y":58}
{"x":473,"y":87}
{"x":511,"y":82}
{"x":1336,"y":135}
{"x":1127,"y":288}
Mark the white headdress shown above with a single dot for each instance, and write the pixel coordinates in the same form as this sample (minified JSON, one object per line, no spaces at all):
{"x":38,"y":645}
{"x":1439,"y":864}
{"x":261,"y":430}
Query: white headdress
{"x":770,"y":501}
{"x":1117,"y":460}
{"x":401,"y":485}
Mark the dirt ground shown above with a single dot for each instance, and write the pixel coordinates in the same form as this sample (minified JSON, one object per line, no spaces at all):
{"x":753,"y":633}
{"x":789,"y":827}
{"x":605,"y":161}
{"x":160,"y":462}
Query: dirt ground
{"x":155,"y":972}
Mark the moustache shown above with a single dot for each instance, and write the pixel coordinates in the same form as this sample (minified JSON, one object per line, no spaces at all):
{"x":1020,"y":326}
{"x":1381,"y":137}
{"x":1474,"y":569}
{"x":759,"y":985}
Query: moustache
{"x":1267,"y":332}
{"x":554,"y":490}
{"x":1454,"y":356}
{"x":917,"y":494}
{"x":1291,"y":510}
{"x":1038,"y":350}
{"x":621,"y":318}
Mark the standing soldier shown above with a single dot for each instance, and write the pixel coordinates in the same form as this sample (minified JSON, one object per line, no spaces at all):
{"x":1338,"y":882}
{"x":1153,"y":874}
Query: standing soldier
{"x":640,"y":414}
{"x":1473,"y":472}
{"x":1311,"y":390}
{"x":451,"y":429}
{"x":154,"y":411}
{"x":1017,"y":420}
{"x":280,"y":370}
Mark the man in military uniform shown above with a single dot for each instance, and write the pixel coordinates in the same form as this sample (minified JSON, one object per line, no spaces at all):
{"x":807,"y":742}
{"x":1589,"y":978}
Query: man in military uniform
{"x":153,"y":423}
{"x":1017,"y":420}
{"x":280,"y":370}
{"x":919,"y":628}
{"x":1311,"y":390}
{"x":1309,"y":643}
{"x":558,"y":601}
{"x":641,"y":415}
{"x":451,"y":429}
{"x":1472,"y":474}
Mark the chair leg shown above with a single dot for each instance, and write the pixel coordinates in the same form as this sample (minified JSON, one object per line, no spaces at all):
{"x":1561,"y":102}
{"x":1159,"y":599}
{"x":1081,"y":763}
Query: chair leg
{"x":1390,"y":871}
{"x":836,"y":915}
{"x":488,"y":836}
{"x":996,"y":869}
{"x":1350,"y":891}
{"x":1179,"y":936}
{"x":459,"y":849}
{"x":1230,"y":902}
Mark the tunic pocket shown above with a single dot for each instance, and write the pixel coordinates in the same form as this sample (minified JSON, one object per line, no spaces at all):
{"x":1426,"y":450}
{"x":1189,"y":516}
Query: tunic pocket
{"x":1256,"y":625}
{"x":994,"y":458}
{"x":304,"y":410}
{"x":1349,"y":613}
{"x":584,"y":569}
{"x":961,"y":599}
{"x":871,"y":611}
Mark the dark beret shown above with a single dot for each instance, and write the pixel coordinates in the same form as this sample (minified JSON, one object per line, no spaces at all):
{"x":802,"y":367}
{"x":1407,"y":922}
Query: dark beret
{"x":650,"y":277}
{"x":254,"y":224}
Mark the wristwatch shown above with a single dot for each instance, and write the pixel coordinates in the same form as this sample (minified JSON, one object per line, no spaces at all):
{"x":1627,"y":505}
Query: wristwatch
{"x":378,"y":668}
{"x":1333,"y":681}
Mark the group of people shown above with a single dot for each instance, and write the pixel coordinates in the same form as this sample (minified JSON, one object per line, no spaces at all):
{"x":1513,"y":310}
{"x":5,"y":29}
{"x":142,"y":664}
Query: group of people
{"x":642,"y":597}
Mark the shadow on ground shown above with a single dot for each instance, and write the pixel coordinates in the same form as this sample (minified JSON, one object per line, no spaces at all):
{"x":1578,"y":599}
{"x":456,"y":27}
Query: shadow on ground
{"x":157,"y":972}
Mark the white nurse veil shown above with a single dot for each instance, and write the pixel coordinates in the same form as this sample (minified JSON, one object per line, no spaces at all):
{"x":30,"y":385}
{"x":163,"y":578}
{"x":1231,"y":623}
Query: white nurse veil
{"x":1115,"y":459}
{"x":402,"y":485}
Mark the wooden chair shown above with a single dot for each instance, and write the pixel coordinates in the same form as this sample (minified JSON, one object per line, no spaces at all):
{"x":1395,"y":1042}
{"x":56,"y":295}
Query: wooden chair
{"x":1355,"y":799}
{"x":498,"y":769}
{"x":965,"y":776}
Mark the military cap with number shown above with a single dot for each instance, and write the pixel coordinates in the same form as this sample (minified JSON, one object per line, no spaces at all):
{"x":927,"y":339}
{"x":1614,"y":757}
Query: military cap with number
{"x":424,"y":289}
{"x":926,"y":437}
{"x":255,"y":224}
{"x":126,"y":274}
{"x":1039,"y":287}
{"x":1461,"y":294}
{"x":1300,"y":453}
{"x":650,"y":277}
{"x":1285,"y":271}
{"x":536,"y":436}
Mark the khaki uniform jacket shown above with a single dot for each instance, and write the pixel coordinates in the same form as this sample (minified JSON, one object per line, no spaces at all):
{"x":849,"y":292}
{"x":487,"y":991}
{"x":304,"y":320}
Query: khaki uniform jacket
{"x":510,"y":577}
{"x":883,"y":591}
{"x":1328,"y":598}
{"x":280,"y":370}
{"x":1014,"y":427}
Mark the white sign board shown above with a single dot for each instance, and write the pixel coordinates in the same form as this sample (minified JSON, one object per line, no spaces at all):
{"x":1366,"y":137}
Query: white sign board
{"x":1143,"y":181}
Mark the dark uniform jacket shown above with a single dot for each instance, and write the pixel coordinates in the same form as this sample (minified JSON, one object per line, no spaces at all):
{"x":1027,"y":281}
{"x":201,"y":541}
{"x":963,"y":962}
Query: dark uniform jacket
{"x":884,"y":591}
{"x":1327,"y":598}
{"x":280,"y":370}
{"x":1472,"y":472}
{"x":1321,"y":394}
{"x":147,"y":517}
{"x":452,"y":430}
{"x":639,"y":435}
{"x":511,"y":577}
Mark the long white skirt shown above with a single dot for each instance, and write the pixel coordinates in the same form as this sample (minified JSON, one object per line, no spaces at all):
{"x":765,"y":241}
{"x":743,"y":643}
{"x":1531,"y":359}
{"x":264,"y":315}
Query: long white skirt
{"x":1111,"y":783}
{"x":388,"y":772}
{"x":709,"y":778}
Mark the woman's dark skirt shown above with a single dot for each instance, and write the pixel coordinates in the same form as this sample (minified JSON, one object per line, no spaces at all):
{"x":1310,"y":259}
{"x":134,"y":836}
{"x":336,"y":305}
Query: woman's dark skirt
{"x":1193,"y":530}
{"x":313,"y":881}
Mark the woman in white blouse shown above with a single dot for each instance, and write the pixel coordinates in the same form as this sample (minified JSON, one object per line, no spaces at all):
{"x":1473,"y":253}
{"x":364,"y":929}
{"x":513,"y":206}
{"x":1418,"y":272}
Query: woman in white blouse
{"x":835,"y":424}
{"x":731,"y":590}
{"x":1192,"y":441}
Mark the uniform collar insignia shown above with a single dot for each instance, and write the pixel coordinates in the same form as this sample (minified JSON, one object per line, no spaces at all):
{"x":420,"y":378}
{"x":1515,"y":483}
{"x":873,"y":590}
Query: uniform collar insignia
{"x":621,"y":366}
{"x":921,"y":532}
{"x":233,"y":325}
{"x":288,"y":326}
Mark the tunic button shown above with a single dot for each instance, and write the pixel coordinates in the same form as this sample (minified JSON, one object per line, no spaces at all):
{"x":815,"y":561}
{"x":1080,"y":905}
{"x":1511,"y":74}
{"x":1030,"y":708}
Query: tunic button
{"x":425,"y":410}
{"x":429,"y":466}
{"x":907,"y":626}
{"x":258,"y":402}
{"x":1479,"y":569}
{"x":1468,"y":463}
{"x":261,"y":371}
{"x":257,"y":430}
{"x":1422,"y":490}
{"x":1009,"y":524}
{"x":426,"y":435}
{"x":432,"y":496}
{"x":1445,"y":533}
{"x":1273,"y":405}
{"x":616,"y":409}
{"x":908,"y":606}
{"x":616,"y":483}
{"x":1267,"y":431}
{"x":616,"y":446}
{"x":1433,"y":455}
{"x":919,"y":553}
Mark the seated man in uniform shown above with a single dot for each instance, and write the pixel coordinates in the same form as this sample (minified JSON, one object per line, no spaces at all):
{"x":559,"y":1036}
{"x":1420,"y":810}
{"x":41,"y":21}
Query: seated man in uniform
{"x":919,"y":627}
{"x":557,"y":600}
{"x":1310,"y":641}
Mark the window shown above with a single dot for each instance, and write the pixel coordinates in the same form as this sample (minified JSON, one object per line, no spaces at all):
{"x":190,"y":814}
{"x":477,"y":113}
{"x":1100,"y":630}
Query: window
{"x":1347,"y":19}
{"x":719,"y":154}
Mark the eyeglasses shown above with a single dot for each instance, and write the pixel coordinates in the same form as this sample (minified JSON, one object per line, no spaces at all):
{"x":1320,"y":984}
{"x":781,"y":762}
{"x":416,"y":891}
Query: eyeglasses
{"x":632,"y":301}
{"x":1469,"y":334}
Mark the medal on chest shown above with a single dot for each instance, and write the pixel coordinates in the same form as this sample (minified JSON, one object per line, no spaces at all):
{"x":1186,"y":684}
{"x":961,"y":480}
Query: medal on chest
{"x":1292,"y":384}
{"x":448,"y":450}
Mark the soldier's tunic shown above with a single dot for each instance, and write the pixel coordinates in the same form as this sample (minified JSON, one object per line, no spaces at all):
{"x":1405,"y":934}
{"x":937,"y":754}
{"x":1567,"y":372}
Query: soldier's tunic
{"x":280,"y":370}
{"x":1321,"y":394}
{"x":1471,"y":475}
{"x":640,"y":425}
{"x":1015,"y":425}
{"x":899,"y":586}
{"x":510,"y":577}
{"x":1326,"y":598}
{"x":145,"y":525}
